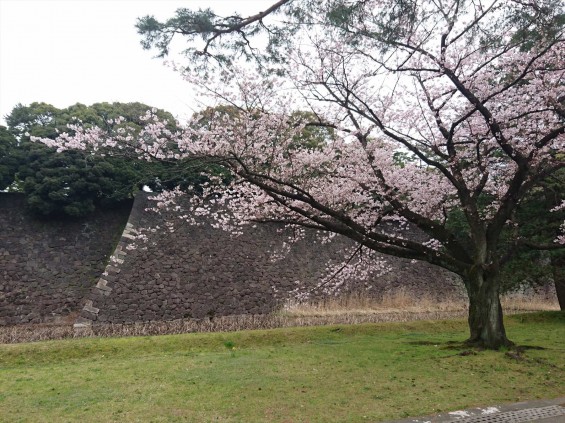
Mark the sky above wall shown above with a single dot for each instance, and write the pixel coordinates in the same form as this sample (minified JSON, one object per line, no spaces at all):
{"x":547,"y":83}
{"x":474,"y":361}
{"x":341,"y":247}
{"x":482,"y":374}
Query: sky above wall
{"x":87,"y":51}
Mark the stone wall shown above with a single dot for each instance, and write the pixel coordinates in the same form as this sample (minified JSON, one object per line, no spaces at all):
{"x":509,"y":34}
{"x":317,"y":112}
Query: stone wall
{"x":199,"y":271}
{"x":56,"y":270}
{"x":48,"y":267}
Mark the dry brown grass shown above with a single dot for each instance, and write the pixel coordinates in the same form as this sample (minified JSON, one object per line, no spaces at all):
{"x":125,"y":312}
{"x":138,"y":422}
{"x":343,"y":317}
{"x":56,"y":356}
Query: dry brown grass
{"x":402,"y":302}
{"x":32,"y":333}
{"x":517,"y":303}
{"x":351,"y":309}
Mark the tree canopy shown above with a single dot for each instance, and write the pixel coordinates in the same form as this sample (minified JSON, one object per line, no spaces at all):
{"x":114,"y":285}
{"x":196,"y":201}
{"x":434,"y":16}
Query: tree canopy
{"x":8,"y":163}
{"x":436,"y":109}
{"x":74,"y":183}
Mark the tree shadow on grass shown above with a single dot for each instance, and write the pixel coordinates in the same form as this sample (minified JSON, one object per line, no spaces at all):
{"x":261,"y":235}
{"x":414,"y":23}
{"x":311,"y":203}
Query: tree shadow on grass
{"x":465,"y":349}
{"x":445,"y":345}
{"x":449,"y":346}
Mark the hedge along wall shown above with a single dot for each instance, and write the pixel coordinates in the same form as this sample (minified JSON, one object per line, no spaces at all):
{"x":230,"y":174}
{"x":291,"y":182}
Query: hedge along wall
{"x":199,"y":271}
{"x":47,"y":267}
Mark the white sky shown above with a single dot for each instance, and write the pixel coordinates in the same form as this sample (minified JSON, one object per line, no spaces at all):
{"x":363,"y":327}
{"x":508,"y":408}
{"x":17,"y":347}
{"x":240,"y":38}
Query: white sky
{"x":66,"y":51}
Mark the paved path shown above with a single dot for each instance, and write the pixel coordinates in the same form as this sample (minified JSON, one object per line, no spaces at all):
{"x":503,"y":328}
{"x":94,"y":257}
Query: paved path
{"x":543,"y":411}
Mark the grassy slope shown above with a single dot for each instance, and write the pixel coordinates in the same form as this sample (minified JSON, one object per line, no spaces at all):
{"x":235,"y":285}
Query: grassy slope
{"x":347,"y":373}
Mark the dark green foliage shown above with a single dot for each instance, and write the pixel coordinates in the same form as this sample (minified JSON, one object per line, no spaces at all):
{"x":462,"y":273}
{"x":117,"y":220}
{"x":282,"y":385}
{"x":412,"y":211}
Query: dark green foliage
{"x":544,"y":19}
{"x":75,"y":182}
{"x":72,"y":182}
{"x":535,"y":226}
{"x":392,"y":21}
{"x":527,"y":237}
{"x":219,"y":40}
{"x":8,"y":162}
{"x":532,"y":226}
{"x":159,"y":35}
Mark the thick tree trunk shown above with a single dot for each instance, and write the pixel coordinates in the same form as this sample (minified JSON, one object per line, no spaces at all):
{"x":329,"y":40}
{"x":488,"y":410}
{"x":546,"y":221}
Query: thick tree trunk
{"x":485,"y":312}
{"x":558,"y":264}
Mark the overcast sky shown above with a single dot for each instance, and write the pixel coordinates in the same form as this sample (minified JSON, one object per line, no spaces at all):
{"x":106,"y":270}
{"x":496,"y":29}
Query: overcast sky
{"x":67,"y":51}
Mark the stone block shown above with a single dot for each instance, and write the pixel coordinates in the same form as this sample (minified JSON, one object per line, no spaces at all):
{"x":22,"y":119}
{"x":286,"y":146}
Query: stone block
{"x":88,"y":315}
{"x":90,"y":308}
{"x":112,"y":269}
{"x":103,"y":285}
{"x":82,"y":323}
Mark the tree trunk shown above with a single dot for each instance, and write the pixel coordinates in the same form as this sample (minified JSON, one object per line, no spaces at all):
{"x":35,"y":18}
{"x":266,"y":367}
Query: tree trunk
{"x":558,"y":265}
{"x":485,"y":312}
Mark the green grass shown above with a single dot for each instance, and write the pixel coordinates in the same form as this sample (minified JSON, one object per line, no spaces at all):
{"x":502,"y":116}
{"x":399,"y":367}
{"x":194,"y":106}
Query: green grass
{"x":318,"y":374}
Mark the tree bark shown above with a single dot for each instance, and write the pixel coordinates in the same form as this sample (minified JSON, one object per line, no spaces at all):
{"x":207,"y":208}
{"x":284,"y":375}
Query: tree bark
{"x":485,"y":312}
{"x":558,"y":265}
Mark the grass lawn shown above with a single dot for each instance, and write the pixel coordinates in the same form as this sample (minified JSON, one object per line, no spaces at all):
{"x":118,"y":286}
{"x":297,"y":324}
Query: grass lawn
{"x":358,"y":373}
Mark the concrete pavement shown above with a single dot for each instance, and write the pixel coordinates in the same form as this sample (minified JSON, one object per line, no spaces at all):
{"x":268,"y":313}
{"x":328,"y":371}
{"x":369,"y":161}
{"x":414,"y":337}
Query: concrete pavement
{"x":542,"y":411}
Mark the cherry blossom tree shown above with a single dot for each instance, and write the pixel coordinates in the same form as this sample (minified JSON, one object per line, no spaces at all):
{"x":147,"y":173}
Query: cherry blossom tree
{"x":470,"y":92}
